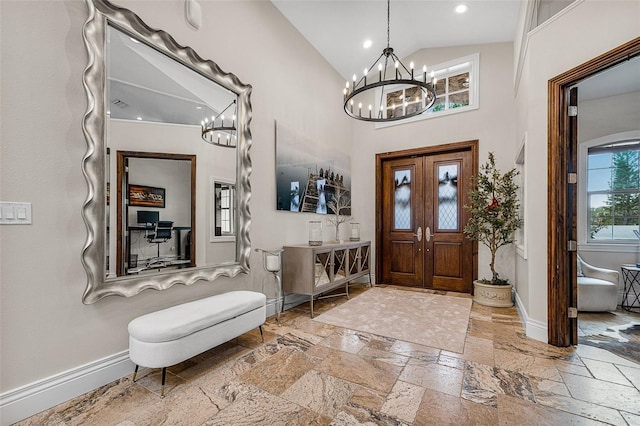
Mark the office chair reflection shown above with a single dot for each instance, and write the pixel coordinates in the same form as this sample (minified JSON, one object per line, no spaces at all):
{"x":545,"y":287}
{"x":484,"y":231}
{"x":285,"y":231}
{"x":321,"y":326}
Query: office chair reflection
{"x":162,"y":233}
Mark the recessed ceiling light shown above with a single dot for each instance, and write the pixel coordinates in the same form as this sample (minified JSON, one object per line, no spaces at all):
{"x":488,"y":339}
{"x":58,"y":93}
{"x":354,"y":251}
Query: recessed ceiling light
{"x":461,"y":8}
{"x":139,"y":118}
{"x":198,"y":107}
{"x":367,"y":44}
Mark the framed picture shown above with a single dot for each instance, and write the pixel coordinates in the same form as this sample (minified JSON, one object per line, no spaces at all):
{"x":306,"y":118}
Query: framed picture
{"x":146,"y":196}
{"x":308,"y":176}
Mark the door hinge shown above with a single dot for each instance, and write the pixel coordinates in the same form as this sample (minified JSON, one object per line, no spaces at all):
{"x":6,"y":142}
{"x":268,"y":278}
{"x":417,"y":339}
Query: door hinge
{"x":573,"y":178}
{"x":573,"y":111}
{"x":572,"y":245}
{"x":573,"y":312}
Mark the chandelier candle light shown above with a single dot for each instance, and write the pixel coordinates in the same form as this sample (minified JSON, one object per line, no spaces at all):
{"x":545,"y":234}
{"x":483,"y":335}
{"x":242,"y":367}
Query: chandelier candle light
{"x":220,"y":131}
{"x":391,"y":72}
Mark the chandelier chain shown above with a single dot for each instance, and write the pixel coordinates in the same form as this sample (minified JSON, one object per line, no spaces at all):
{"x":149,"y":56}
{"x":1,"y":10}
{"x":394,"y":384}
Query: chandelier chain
{"x":388,"y":20}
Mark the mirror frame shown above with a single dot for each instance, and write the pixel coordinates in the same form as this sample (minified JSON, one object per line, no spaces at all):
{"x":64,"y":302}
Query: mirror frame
{"x":101,"y":14}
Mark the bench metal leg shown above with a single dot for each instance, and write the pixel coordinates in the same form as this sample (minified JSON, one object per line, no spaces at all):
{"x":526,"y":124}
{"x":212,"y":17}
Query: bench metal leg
{"x":164,"y":376}
{"x":261,"y":334}
{"x":135,"y":373}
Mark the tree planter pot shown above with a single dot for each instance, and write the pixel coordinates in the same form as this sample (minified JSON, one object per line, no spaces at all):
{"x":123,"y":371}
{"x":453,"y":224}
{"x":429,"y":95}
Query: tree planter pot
{"x":498,"y":296}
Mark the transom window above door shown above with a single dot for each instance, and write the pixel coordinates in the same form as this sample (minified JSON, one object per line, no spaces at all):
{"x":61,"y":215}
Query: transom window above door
{"x":457,"y":89}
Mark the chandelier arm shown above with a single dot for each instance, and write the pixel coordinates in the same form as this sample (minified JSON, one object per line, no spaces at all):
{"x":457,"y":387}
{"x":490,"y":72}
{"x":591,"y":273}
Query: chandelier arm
{"x":396,"y":59}
{"x":369,"y":69}
{"x":208,"y":129}
{"x":225,"y":110}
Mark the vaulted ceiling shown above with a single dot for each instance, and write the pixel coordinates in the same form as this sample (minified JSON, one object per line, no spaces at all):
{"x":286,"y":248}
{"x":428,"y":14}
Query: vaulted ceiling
{"x":338,"y":28}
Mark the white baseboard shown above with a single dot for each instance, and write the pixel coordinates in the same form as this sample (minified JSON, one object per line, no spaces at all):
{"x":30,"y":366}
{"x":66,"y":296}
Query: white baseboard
{"x":533,"y":328}
{"x":23,"y":402}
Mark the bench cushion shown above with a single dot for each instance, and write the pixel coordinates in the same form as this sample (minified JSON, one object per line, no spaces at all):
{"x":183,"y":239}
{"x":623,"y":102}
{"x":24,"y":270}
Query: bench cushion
{"x":181,"y":320}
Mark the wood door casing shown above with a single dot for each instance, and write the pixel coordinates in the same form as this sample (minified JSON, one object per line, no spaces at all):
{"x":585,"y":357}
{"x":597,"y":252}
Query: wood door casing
{"x":449,"y":260}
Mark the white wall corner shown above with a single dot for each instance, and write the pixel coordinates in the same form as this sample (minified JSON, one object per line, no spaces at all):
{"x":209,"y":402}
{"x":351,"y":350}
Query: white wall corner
{"x":533,"y":328}
{"x":23,"y":402}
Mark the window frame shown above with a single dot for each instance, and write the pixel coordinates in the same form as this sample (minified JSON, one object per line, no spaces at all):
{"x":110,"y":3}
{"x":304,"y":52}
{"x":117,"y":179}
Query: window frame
{"x":521,"y":235}
{"x":584,"y":241}
{"x":444,"y":70}
{"x":225,"y":237}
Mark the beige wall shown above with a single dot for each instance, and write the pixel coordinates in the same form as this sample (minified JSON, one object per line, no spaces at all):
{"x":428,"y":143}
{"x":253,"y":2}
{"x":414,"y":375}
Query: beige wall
{"x":45,"y":327}
{"x":585,"y":30}
{"x":607,"y":116}
{"x":493,"y":124}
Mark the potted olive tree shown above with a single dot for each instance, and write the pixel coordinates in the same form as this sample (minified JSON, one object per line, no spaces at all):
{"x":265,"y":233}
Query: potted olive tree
{"x":494,"y":207}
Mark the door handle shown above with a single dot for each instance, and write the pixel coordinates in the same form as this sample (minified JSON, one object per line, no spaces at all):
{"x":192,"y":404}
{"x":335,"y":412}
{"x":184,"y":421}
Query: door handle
{"x":418,"y":233}
{"x":427,"y":234}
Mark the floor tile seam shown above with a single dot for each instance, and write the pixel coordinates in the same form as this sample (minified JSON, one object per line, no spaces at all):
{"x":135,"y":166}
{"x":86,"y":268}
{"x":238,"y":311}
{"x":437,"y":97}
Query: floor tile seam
{"x":636,"y":366}
{"x":245,"y":395}
{"x":581,"y":415}
{"x":595,"y":403}
{"x":630,"y":384}
{"x":352,"y":385}
{"x":424,"y":390}
{"x":357,"y":385}
{"x":593,"y":377}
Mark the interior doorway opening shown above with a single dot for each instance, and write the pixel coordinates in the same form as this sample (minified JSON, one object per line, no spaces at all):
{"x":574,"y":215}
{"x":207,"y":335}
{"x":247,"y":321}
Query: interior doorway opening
{"x":563,"y":206}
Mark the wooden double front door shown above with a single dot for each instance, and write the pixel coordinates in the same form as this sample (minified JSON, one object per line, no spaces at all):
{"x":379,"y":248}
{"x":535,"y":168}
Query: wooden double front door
{"x":421,"y":218}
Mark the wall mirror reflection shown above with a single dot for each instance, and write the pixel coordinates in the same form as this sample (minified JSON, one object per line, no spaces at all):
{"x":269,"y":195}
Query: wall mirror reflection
{"x":155,"y":212}
{"x":223,"y":197}
{"x":149,"y":98}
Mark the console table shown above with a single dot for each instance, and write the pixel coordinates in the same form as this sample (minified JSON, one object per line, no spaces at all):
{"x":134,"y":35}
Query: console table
{"x":313,"y":270}
{"x":631,"y":294}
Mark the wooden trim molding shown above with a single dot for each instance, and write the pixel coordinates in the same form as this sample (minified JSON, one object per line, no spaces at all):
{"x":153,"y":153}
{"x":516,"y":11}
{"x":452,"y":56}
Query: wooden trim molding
{"x":562,"y":287}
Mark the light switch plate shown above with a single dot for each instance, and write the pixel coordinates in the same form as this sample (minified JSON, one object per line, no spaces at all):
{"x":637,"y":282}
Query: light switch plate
{"x":13,"y":213}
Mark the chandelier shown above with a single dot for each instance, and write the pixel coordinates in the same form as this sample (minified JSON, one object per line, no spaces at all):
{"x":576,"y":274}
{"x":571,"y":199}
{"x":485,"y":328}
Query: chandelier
{"x":220,"y":131}
{"x":416,"y":95}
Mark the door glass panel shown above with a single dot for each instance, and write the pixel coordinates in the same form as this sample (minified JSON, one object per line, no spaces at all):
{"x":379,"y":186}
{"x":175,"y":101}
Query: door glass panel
{"x":402,"y":199}
{"x":448,"y":197}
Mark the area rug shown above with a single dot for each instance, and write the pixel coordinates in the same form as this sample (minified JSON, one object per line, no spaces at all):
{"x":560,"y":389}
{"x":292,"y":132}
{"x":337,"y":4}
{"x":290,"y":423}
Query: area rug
{"x":427,"y":319}
{"x":622,"y":340}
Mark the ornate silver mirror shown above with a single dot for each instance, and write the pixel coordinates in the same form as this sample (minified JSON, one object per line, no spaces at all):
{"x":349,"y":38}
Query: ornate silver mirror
{"x":163,"y":207}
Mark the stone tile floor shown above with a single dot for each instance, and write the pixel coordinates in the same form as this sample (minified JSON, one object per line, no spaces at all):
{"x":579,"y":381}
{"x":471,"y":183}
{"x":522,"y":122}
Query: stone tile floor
{"x":310,"y":373}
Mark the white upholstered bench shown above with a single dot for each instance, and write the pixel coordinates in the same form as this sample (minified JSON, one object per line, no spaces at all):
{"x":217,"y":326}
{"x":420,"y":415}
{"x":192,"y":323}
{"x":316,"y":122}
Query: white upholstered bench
{"x":164,"y":338}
